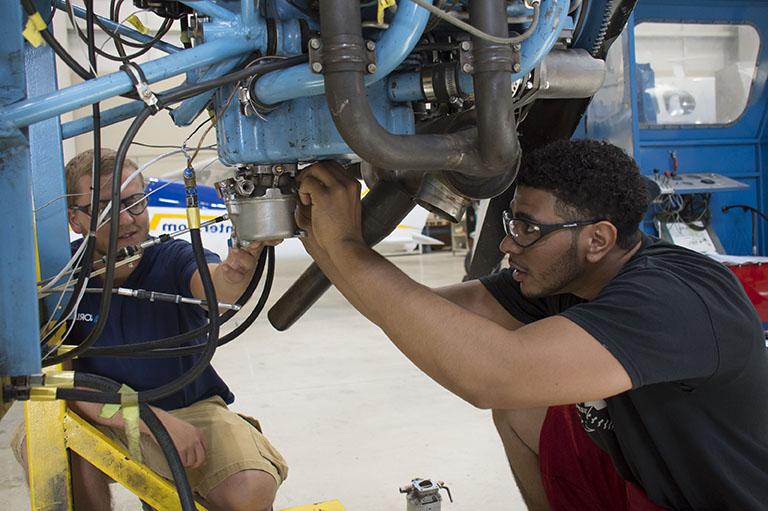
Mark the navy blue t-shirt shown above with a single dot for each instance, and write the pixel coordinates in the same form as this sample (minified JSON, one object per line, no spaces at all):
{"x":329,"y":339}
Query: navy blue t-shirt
{"x":166,"y":268}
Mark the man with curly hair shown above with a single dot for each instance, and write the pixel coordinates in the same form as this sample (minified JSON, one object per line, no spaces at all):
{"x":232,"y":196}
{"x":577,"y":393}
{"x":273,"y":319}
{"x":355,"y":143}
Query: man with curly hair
{"x":623,"y":372}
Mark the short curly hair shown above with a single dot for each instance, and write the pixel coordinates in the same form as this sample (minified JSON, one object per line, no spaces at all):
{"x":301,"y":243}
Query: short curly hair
{"x":591,"y":179}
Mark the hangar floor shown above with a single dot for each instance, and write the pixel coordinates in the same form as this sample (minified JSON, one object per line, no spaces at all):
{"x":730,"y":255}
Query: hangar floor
{"x":353,"y":417}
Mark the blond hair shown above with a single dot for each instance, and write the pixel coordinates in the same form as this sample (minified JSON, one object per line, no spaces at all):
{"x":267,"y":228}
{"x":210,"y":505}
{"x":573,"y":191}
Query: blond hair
{"x":82,"y":165}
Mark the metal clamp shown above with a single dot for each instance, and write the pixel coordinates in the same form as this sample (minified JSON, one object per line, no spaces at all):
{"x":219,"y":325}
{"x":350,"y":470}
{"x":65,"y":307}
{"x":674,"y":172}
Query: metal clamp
{"x":139,"y":80}
{"x":315,"y":54}
{"x":466,"y":60}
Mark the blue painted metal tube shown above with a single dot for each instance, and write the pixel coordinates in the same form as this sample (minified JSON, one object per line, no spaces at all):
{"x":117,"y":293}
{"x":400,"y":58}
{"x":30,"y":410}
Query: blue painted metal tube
{"x":121,"y":29}
{"x":19,"y":319}
{"x":112,"y":116}
{"x":552,"y":19}
{"x":211,"y":9}
{"x":396,"y":43}
{"x":36,"y":109}
{"x":248,"y":14}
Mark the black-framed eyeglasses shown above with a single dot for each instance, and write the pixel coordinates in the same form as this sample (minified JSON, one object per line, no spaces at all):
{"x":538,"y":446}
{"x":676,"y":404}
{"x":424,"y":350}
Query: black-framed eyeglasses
{"x":135,"y":205}
{"x":525,"y":232}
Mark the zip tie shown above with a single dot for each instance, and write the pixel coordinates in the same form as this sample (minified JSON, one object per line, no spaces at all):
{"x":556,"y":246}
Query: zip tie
{"x":35,"y":25}
{"x":139,"y":81}
{"x":129,"y":404}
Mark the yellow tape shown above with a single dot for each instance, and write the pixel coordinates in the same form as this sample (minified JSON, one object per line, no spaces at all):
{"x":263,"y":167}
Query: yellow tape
{"x":42,"y":394}
{"x":129,"y":404}
{"x":193,"y":218}
{"x":137,"y":24}
{"x":383,"y":5}
{"x":61,"y":379}
{"x":35,"y":25}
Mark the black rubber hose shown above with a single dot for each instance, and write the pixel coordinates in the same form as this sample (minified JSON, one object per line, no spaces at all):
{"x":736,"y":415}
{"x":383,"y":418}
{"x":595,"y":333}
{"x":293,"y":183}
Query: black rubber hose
{"x":384,"y":207}
{"x":164,"y":440}
{"x":145,"y":47}
{"x":242,"y":327}
{"x":178,"y":340}
{"x":106,"y":298}
{"x":200,"y":365}
{"x":95,"y":197}
{"x":344,"y":68}
{"x":56,"y":47}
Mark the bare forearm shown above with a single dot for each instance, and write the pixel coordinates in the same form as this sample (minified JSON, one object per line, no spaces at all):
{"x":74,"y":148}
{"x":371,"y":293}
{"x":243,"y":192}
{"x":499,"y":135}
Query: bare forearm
{"x":438,"y":336}
{"x":226,"y":290}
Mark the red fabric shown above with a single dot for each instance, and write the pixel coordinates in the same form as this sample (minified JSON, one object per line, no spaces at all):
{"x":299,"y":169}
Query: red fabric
{"x":577,"y":474}
{"x":754,"y":278}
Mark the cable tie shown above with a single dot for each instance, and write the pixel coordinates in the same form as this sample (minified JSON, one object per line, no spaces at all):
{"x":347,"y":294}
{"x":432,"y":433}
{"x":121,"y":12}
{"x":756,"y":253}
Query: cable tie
{"x":139,"y":81}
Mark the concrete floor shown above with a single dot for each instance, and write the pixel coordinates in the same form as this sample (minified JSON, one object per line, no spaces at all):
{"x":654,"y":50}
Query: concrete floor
{"x":353,"y":417}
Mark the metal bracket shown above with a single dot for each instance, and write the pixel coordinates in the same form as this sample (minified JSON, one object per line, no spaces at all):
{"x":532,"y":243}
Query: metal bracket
{"x":466,"y":60}
{"x":136,"y":75}
{"x":315,"y":51}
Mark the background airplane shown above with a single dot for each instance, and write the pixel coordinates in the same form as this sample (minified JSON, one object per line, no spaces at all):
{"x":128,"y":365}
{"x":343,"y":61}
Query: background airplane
{"x":167,"y":215}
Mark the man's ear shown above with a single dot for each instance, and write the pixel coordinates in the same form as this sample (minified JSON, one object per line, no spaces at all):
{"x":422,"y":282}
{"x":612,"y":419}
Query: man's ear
{"x":602,"y":239}
{"x":73,"y":222}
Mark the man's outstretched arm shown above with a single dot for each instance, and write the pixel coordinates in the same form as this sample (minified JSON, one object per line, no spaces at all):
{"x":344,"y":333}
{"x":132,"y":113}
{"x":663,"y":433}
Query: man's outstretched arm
{"x":552,"y":361}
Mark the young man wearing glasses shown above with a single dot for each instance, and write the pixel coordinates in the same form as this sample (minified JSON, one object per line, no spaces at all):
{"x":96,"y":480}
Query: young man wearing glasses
{"x":228,"y":461}
{"x":623,"y":372}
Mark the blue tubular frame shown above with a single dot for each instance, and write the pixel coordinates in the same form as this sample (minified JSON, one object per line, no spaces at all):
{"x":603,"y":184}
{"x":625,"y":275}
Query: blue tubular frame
{"x":554,"y":15}
{"x":39,"y":108}
{"x":396,"y":43}
{"x":19,"y":322}
{"x":121,"y":29}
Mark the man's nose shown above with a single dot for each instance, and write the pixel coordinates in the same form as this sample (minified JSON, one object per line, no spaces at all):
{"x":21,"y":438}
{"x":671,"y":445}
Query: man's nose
{"x":508,"y":246}
{"x":125,"y":217}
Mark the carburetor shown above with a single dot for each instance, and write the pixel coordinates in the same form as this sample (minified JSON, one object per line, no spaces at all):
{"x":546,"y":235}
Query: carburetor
{"x":261,"y":200}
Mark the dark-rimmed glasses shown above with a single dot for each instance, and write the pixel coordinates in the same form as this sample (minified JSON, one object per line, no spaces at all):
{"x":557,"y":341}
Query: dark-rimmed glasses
{"x":526,"y":232}
{"x":135,"y":205}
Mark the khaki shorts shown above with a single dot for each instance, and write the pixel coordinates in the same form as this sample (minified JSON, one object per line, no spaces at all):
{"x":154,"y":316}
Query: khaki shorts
{"x":233,"y":443}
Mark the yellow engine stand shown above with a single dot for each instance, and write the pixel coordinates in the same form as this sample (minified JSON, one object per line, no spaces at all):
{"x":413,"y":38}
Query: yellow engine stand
{"x":53,"y":429}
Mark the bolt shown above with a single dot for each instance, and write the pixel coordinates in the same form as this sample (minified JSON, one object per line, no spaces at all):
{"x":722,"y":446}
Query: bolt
{"x":371,"y":68}
{"x":516,"y":67}
{"x":279,"y":169}
{"x":466,"y":46}
{"x":370,"y":45}
{"x":317,"y":67}
{"x":516,"y":47}
{"x":568,"y":41}
{"x":314,"y":44}
{"x":467,"y":68}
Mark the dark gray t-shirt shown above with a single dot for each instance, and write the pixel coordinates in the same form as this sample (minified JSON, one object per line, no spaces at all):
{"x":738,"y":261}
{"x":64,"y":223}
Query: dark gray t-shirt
{"x":693,"y":431}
